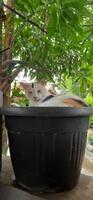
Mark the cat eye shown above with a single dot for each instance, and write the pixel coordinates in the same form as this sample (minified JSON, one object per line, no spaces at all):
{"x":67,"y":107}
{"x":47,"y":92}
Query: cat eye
{"x":32,"y":85}
{"x":38,"y":91}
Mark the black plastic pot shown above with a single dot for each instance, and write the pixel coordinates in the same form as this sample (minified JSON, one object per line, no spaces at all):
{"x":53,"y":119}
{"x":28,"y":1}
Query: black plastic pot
{"x":47,"y":145}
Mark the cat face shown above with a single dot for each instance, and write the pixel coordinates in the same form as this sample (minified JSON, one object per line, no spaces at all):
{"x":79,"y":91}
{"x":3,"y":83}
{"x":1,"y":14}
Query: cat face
{"x":35,"y":91}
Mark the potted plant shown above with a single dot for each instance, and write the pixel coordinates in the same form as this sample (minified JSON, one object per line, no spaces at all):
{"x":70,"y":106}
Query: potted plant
{"x":47,"y":145}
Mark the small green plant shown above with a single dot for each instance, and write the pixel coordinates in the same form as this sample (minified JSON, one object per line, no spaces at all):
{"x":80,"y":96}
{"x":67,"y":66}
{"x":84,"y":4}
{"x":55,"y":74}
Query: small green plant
{"x":89,"y":100}
{"x":91,"y":122}
{"x":90,"y":139}
{"x":18,"y":96}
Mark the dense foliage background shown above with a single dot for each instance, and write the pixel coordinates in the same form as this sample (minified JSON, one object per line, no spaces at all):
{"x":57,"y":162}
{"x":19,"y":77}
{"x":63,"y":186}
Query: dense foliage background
{"x":54,"y":40}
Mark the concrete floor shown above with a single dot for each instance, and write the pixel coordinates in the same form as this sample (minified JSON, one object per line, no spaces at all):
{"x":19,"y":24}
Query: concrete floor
{"x":83,"y":191}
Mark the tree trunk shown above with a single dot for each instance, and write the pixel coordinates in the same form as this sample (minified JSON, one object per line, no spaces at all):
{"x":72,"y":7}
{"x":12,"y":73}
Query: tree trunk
{"x":0,"y":84}
{"x":8,"y":45}
{"x":0,"y":47}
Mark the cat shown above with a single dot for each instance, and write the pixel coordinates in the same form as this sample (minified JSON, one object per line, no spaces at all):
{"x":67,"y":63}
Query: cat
{"x":39,"y":95}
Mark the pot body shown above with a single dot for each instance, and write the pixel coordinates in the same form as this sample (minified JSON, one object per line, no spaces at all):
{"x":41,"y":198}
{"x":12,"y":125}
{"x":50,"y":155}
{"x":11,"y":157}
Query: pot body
{"x":47,"y":149}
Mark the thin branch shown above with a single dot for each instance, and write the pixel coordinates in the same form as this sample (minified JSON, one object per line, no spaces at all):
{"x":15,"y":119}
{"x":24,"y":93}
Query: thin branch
{"x":4,"y":50}
{"x":8,"y":80}
{"x":3,"y":85}
{"x":25,"y":18}
{"x":12,"y":62}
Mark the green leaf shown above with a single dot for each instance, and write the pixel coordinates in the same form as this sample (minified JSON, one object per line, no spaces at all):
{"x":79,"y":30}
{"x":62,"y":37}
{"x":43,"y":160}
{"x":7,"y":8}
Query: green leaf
{"x":52,"y":24}
{"x":44,"y":53}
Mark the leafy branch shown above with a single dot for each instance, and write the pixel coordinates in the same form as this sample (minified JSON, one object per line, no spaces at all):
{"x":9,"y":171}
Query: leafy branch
{"x":7,"y":81}
{"x":24,"y":17}
{"x":11,"y":62}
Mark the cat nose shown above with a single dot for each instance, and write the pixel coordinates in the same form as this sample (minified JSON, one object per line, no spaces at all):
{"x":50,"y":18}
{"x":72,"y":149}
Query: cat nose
{"x":35,"y":98}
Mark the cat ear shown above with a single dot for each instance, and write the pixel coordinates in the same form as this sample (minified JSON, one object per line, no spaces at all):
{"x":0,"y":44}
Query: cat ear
{"x":24,"y":84}
{"x":52,"y":89}
{"x":42,"y":81}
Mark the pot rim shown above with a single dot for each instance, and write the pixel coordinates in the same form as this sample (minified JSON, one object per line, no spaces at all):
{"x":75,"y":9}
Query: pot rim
{"x":47,"y":111}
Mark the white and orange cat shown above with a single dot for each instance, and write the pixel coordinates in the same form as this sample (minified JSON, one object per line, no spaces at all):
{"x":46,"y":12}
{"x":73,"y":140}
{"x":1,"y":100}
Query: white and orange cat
{"x":39,"y":95}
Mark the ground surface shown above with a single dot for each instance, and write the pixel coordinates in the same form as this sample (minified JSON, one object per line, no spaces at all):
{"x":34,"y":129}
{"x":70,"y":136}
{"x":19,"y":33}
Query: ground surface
{"x":83,"y":191}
